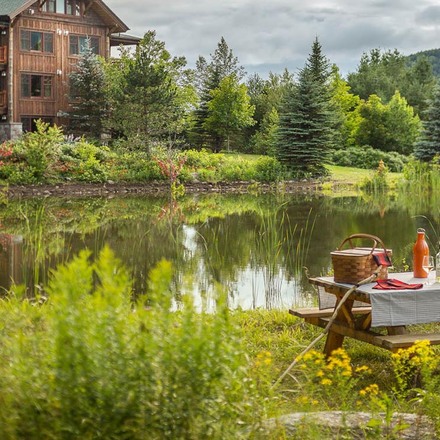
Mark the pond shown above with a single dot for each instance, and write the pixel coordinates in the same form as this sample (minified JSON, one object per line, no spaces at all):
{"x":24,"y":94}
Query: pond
{"x":259,"y":248}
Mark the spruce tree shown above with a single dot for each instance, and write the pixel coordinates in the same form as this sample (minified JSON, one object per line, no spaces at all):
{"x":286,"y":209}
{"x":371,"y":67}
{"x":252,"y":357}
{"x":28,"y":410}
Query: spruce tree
{"x":306,"y":131}
{"x":89,"y":107}
{"x":429,"y":144}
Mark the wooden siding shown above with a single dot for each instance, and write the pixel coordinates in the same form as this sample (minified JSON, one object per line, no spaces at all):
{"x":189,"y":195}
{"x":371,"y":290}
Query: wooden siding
{"x":58,"y":65}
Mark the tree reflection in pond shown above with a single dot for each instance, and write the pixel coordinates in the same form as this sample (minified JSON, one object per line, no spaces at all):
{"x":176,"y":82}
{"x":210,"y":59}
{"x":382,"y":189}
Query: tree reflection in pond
{"x":256,"y":247}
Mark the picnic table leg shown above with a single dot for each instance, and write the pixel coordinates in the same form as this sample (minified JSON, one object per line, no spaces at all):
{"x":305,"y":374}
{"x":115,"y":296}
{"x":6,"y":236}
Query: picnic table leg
{"x":333,"y":341}
{"x":397,"y":330}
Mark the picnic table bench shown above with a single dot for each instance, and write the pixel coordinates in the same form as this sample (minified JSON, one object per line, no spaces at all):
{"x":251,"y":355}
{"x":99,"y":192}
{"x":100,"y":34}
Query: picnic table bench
{"x":387,"y":312}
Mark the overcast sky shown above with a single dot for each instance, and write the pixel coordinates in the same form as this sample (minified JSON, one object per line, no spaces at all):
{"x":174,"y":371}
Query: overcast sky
{"x":270,"y":35}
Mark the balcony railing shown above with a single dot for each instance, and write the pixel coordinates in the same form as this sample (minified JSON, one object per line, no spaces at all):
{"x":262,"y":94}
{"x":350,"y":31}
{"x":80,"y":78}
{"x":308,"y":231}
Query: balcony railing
{"x":3,"y":100}
{"x":3,"y":54}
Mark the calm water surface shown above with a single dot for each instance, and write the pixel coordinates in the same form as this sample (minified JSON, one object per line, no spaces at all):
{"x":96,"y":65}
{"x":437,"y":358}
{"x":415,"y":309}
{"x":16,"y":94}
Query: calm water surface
{"x":259,"y":248}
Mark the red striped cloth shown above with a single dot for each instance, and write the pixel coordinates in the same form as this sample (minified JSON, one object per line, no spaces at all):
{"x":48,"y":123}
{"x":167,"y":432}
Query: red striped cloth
{"x":382,"y":259}
{"x":393,"y":284}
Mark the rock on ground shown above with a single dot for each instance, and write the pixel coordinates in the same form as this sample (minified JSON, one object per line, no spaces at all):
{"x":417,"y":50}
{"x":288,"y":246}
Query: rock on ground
{"x":359,"y":425}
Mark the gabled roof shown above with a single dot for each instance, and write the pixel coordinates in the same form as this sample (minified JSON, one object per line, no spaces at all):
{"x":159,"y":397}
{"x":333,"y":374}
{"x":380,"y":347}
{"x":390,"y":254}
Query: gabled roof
{"x":12,"y":8}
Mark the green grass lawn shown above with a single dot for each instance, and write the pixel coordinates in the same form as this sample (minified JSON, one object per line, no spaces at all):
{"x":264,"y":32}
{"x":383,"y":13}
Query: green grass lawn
{"x":353,"y":176}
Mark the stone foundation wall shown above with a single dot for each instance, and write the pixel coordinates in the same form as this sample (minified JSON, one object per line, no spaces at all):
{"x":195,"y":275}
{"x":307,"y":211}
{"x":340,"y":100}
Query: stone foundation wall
{"x":10,"y":131}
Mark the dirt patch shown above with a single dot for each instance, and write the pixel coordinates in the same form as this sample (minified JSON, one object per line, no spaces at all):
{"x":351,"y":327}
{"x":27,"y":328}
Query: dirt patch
{"x":155,"y":188}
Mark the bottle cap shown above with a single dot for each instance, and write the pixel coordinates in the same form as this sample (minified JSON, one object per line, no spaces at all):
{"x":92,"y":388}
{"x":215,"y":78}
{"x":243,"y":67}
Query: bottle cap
{"x":420,"y":231}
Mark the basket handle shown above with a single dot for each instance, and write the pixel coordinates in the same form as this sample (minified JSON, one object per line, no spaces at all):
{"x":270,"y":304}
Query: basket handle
{"x":376,"y":241}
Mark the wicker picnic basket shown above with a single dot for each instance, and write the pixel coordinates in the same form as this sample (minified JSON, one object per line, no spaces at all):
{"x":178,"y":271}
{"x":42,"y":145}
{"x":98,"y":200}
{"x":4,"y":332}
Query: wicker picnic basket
{"x":357,"y":263}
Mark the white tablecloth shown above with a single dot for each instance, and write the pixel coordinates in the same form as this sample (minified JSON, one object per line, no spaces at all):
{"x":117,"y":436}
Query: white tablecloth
{"x":402,"y":307}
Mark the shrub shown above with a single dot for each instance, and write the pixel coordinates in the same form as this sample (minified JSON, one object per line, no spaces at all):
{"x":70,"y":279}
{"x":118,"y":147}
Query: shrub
{"x":40,"y":149}
{"x":135,"y":167}
{"x":368,"y":158}
{"x":268,"y":169}
{"x":90,"y":363}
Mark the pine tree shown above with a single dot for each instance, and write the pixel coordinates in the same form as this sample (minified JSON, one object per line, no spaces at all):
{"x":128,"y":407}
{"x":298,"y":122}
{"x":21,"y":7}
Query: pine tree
{"x":208,"y":77}
{"x":306,"y":130}
{"x":88,"y":97}
{"x":429,"y":144}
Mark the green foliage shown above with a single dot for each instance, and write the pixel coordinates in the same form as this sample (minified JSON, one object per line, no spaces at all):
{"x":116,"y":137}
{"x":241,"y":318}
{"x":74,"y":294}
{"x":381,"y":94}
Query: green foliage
{"x":382,"y":74}
{"x":306,"y":127}
{"x":151,"y":89}
{"x":390,"y":127}
{"x":90,"y":363}
{"x":39,"y":150}
{"x":368,"y":158}
{"x":135,"y":167}
{"x":346,"y":106}
{"x":429,"y":144}
{"x":266,"y":96}
{"x":84,"y":161}
{"x":88,"y":95}
{"x":268,"y":169}
{"x":229,"y":110}
{"x":378,"y":182}
{"x":264,"y":141}
{"x":207,"y":78}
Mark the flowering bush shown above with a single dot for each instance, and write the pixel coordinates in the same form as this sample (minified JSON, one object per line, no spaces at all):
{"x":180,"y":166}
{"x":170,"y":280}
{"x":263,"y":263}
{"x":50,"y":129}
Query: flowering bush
{"x":413,"y":366}
{"x":333,"y":381}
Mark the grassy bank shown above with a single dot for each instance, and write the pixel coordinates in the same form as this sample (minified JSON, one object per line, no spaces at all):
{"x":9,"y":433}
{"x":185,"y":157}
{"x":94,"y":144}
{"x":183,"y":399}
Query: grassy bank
{"x":88,"y":361}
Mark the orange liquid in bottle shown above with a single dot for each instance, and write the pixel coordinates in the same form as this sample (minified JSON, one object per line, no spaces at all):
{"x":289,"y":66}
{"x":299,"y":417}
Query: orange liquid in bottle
{"x":420,"y":250}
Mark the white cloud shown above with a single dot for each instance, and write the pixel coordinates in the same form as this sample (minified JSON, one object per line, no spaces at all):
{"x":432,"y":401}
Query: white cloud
{"x":277,"y":34}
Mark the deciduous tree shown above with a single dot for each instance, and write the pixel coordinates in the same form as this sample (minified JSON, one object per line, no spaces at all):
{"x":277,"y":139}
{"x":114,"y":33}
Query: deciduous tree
{"x":229,"y":110}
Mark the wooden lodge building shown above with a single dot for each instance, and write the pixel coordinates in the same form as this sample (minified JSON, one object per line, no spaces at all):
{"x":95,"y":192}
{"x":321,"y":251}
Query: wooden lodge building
{"x":40,"y":43}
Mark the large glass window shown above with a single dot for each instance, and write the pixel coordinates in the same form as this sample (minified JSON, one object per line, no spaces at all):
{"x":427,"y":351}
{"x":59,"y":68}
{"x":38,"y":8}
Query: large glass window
{"x":50,"y":6}
{"x":71,"y":7}
{"x":78,"y":44}
{"x":36,"y":41}
{"x":36,"y":86}
{"x":29,"y":122}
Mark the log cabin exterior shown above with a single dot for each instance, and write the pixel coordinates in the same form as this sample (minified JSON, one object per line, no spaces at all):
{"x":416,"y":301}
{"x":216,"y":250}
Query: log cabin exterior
{"x":40,"y":44}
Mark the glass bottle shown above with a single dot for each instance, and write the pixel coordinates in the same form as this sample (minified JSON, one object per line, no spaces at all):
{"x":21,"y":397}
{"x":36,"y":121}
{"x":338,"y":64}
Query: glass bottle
{"x":420,"y":250}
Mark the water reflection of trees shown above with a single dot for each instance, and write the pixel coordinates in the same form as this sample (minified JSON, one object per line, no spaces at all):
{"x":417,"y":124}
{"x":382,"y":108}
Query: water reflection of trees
{"x":214,"y":238}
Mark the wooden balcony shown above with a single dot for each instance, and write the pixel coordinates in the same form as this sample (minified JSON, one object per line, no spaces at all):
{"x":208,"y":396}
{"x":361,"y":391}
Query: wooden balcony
{"x":3,"y":54}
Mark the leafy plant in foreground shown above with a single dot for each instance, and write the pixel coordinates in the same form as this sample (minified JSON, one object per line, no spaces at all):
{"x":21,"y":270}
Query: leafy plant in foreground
{"x":91,"y":363}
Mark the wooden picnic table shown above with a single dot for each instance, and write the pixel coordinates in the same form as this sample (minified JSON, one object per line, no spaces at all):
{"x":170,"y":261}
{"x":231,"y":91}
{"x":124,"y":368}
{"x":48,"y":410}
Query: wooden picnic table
{"x":355,"y":317}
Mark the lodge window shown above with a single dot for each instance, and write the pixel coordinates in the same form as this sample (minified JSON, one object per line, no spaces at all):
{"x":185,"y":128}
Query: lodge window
{"x":36,"y":86}
{"x":36,"y":41}
{"x":70,"y":7}
{"x":73,"y":7}
{"x":29,"y":122}
{"x":50,"y":6}
{"x":78,"y":44}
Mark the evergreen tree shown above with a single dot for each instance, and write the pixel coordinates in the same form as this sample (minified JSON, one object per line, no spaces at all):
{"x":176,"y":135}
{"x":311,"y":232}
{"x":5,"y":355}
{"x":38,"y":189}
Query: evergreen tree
{"x":306,"y":128}
{"x":88,"y":97}
{"x":208,"y":76}
{"x":429,"y":144}
{"x":382,"y":73}
{"x":150,"y":92}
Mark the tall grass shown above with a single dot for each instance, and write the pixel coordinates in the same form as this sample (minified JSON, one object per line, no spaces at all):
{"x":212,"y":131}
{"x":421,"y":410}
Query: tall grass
{"x":281,"y":245}
{"x":90,"y":364}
